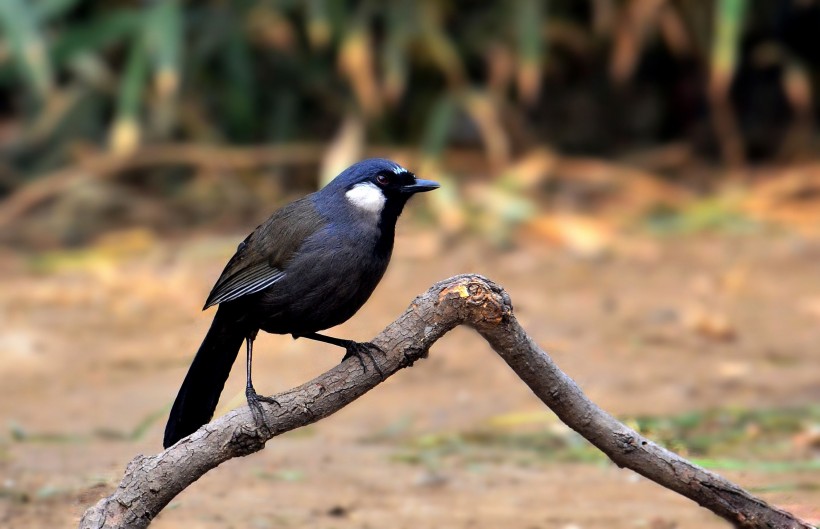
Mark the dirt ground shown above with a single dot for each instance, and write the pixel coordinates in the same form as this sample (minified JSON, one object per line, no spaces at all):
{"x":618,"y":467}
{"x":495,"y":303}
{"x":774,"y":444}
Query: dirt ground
{"x":94,"y":345}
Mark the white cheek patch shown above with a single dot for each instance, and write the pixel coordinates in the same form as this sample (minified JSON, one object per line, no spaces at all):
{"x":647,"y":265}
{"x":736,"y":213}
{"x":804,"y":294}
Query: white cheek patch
{"x":367,"y":196}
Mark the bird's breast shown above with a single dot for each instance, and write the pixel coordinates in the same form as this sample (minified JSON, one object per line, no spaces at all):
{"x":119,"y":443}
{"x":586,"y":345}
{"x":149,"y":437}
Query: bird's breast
{"x":326,"y":282}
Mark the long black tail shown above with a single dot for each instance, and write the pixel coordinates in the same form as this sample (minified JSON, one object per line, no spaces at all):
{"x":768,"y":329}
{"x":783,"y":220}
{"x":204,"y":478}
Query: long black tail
{"x":199,"y":394}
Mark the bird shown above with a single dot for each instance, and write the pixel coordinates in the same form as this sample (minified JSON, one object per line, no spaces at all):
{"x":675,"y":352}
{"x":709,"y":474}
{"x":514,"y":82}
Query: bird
{"x":310,"y":266}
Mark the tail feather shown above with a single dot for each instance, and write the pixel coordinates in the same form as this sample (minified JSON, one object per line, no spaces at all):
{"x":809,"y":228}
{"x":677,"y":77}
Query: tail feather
{"x":199,"y":393}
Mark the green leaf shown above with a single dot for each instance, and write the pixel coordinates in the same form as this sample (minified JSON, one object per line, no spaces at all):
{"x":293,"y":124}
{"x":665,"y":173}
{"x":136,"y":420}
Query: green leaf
{"x":28,"y":49}
{"x":394,"y":53}
{"x":530,"y":44}
{"x":50,"y":9}
{"x":728,"y":18}
{"x":528,"y":15}
{"x":133,"y":79}
{"x":319,"y":29}
{"x":96,"y":35}
{"x":164,"y":32}
{"x":438,"y":125}
{"x":239,"y":90}
{"x":126,"y":131}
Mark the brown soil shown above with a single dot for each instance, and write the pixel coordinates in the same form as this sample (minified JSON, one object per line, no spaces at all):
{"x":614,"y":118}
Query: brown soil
{"x":93,"y":345}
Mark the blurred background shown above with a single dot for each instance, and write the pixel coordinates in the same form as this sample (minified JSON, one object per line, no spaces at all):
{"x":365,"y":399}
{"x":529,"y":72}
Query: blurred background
{"x":641,"y":175}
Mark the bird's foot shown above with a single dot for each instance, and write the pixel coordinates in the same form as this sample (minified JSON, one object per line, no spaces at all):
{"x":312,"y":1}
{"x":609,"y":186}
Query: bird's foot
{"x":254,"y":403}
{"x":359,"y":349}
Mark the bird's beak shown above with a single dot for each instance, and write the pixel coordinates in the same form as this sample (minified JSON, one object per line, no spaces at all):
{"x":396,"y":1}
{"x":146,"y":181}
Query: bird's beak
{"x":420,"y":185}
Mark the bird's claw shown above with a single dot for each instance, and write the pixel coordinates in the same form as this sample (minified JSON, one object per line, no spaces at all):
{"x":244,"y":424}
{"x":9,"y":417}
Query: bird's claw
{"x":357,"y":349}
{"x":254,"y":400}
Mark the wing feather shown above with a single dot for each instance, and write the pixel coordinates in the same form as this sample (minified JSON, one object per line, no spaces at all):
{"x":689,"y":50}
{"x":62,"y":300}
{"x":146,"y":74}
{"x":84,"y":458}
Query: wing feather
{"x":256,"y":277}
{"x":260,"y":259}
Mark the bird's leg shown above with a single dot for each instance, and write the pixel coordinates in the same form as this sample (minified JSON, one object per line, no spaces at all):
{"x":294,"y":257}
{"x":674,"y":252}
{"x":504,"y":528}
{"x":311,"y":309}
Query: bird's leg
{"x":250,"y":394}
{"x":351,"y":348}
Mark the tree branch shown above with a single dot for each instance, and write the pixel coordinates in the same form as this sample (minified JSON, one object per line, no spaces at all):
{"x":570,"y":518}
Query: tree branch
{"x":151,"y":482}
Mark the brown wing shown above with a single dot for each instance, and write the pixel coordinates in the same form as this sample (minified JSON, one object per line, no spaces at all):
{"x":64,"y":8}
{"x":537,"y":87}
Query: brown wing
{"x":260,"y":259}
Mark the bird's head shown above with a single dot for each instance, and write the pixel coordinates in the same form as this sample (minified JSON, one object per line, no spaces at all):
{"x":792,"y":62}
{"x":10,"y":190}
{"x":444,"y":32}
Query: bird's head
{"x":379,"y":187}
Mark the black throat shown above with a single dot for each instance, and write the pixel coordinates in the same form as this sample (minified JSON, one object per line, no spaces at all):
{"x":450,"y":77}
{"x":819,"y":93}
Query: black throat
{"x":387,"y":223}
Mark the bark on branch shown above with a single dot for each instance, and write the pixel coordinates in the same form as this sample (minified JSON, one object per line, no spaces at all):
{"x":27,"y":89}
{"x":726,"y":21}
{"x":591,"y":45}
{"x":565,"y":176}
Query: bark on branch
{"x":150,"y":482}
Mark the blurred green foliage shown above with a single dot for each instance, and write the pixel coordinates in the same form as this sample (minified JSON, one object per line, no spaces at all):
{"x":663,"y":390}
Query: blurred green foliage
{"x":132,"y":98}
{"x":591,"y":76}
{"x":718,"y":214}
{"x":738,"y":439}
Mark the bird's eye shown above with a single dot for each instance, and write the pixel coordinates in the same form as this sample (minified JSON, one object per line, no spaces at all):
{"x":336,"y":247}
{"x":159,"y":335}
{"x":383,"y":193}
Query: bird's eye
{"x":382,"y":179}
